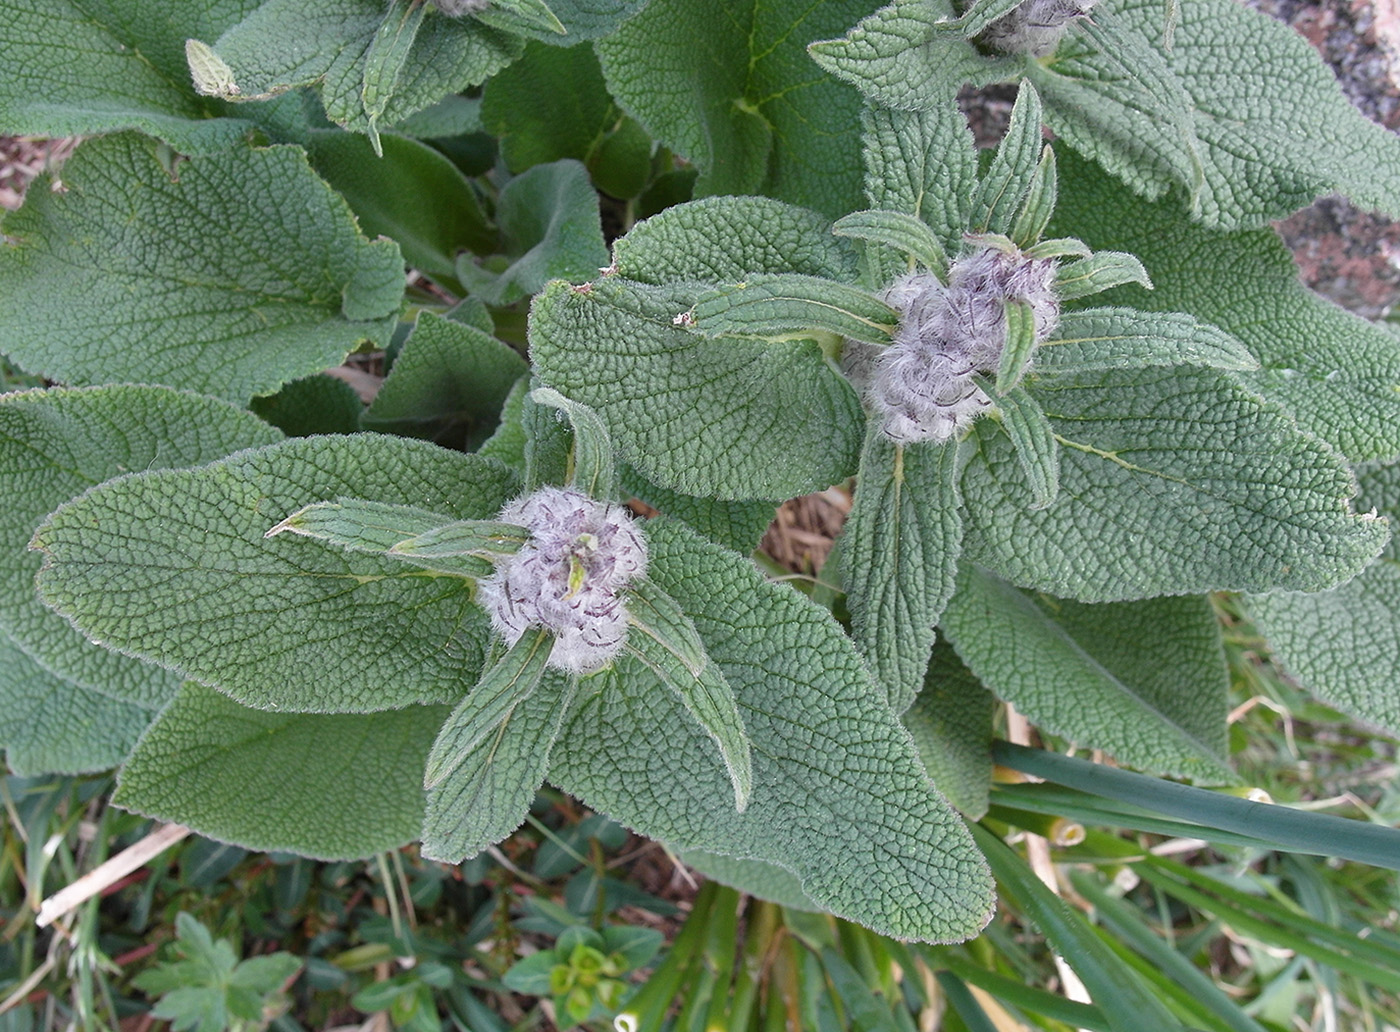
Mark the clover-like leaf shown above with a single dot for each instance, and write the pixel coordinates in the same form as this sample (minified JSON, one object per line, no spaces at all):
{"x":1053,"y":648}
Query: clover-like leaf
{"x":174,"y":566}
{"x":856,"y":821}
{"x":1088,"y":673}
{"x":333,"y":786}
{"x":230,"y":274}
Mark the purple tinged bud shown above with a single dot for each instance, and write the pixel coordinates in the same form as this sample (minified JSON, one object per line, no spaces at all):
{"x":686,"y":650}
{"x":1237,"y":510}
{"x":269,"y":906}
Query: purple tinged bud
{"x":568,"y":578}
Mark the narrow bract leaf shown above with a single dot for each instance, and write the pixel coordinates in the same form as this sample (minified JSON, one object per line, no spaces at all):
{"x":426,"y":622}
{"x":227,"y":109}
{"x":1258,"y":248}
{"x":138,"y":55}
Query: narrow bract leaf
{"x":489,"y":793}
{"x":900,"y":231}
{"x":774,"y":306}
{"x":1059,"y":247}
{"x":384,"y":61}
{"x":654,"y":614}
{"x":901,"y":549}
{"x":503,"y":686}
{"x":1034,"y":440}
{"x":982,"y":13}
{"x":484,"y":538}
{"x":1100,"y":271}
{"x":736,"y":525}
{"x":1122,"y":338}
{"x":1014,"y":168}
{"x":534,"y":13}
{"x":1039,"y":205}
{"x":359,"y":524}
{"x":592,"y":456}
{"x":707,"y":697}
{"x":212,"y":77}
{"x":1016,"y":352}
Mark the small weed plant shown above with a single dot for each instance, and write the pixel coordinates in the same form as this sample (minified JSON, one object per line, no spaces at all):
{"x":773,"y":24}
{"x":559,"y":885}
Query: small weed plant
{"x":671,"y":265}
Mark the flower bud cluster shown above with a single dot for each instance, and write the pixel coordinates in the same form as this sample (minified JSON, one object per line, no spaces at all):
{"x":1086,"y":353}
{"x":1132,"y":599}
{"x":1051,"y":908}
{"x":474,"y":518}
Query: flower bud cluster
{"x":568,"y":578}
{"x":457,"y":8}
{"x":1035,"y":28}
{"x":923,"y":384}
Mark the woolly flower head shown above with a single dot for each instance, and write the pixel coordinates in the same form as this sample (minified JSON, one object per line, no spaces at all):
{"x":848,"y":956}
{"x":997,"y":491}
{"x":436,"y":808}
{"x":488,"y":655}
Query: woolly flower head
{"x":568,"y":578}
{"x":923,"y":384}
{"x":1036,"y":27}
{"x":457,"y":8}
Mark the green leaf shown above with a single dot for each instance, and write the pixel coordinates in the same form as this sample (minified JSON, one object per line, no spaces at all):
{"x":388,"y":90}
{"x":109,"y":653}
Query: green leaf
{"x":858,"y":824}
{"x":1097,"y":339}
{"x":319,"y":404}
{"x":1344,"y":644}
{"x":526,"y":14}
{"x":1161,"y":494}
{"x":666,"y":642}
{"x":922,"y":163}
{"x":736,"y":525}
{"x":1036,"y":447}
{"x":1098,"y":272}
{"x":175,"y":567}
{"x":241,"y":273}
{"x":507,"y":445}
{"x":668,"y":394}
{"x":550,"y":104}
{"x":582,"y":19}
{"x":1016,"y":352}
{"x":284,"y":44}
{"x":333,"y":786}
{"x":55,"y":444}
{"x":412,"y":195}
{"x":1039,"y":204}
{"x":788,"y":304}
{"x":487,"y":796}
{"x":484,"y":538}
{"x":77,"y":68}
{"x":732,"y":89}
{"x":503,"y":687}
{"x":360,"y":525}
{"x":549,"y":218}
{"x":753,"y":877}
{"x":1013,"y":169}
{"x":49,"y":725}
{"x":898,"y":230}
{"x":448,"y":384}
{"x":1118,"y":991}
{"x":591,"y":459}
{"x":1336,"y":374}
{"x":901,"y":549}
{"x":385,"y":59}
{"x":950,"y":721}
{"x":1088,"y":673}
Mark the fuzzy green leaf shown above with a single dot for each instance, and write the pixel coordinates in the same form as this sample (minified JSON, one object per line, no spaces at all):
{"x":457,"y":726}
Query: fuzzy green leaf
{"x":1034,"y":440}
{"x":669,"y":395}
{"x":1095,"y":339}
{"x":549,"y":218}
{"x":241,"y":273}
{"x":1008,"y":179}
{"x":488,"y":794}
{"x":1089,"y":673}
{"x":732,"y":89}
{"x":898,"y":230}
{"x":855,"y":820}
{"x":448,"y":383}
{"x":736,"y":525}
{"x":503,"y":686}
{"x":319,"y":404}
{"x":175,"y":567}
{"x":385,"y":59}
{"x":950,"y":721}
{"x":922,"y":163}
{"x":591,"y":460}
{"x":1344,"y":644}
{"x":412,"y":195}
{"x":1336,"y":374}
{"x":284,"y":44}
{"x":55,"y":444}
{"x":901,"y":549}
{"x":49,"y":725}
{"x":1016,"y":352}
{"x":581,"y":19}
{"x":1098,"y":272}
{"x":787,"y":304}
{"x":1172,"y":481}
{"x":1039,"y":204}
{"x":335,"y":786}
{"x":79,"y":67}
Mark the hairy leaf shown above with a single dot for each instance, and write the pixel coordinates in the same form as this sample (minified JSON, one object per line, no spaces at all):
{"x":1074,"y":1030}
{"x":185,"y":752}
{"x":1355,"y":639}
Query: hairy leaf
{"x":1337,"y":375}
{"x":240,"y":272}
{"x":787,"y":304}
{"x":1155,"y":701}
{"x":730,"y":87}
{"x":902,"y":543}
{"x":1344,"y":644}
{"x":331,"y":786}
{"x":951,"y":724}
{"x":1036,"y":447}
{"x":736,"y":525}
{"x":591,"y":459}
{"x":855,"y":819}
{"x":175,"y":567}
{"x":55,"y":444}
{"x":1172,"y":481}
{"x":1095,"y":339}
